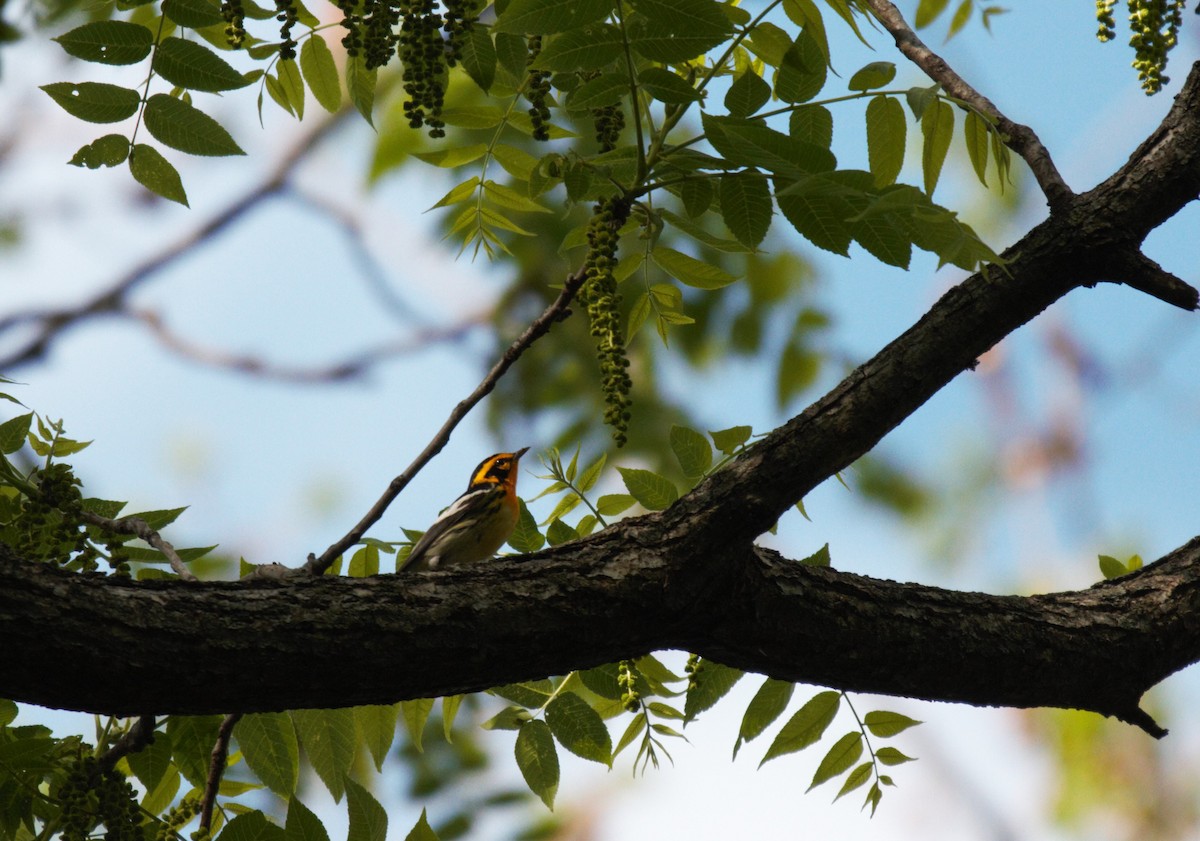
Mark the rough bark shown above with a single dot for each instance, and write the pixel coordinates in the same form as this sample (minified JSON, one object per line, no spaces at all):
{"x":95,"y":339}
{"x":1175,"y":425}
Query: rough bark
{"x":686,"y":578}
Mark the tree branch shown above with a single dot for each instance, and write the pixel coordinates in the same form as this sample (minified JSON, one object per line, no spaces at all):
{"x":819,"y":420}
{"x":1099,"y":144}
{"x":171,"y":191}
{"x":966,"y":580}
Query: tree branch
{"x":118,"y":645}
{"x":1020,"y":138}
{"x":216,"y":770}
{"x":557,"y":310}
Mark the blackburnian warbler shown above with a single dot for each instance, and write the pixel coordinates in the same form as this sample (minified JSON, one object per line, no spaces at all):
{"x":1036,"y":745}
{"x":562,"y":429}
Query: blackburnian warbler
{"x":477,"y":523}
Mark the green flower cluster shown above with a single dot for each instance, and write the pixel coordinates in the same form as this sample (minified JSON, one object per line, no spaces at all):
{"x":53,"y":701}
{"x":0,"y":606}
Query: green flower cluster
{"x":599,"y":293}
{"x":1154,"y":32}
{"x":92,"y":796}
{"x":631,"y":699}
{"x":178,"y":818}
{"x":423,"y":54}
{"x":47,"y":527}
{"x":537,"y":91}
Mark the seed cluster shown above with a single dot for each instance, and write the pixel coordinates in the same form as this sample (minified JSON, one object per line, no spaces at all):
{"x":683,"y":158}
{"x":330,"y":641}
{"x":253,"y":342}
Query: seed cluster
{"x":378,"y":27}
{"x":235,"y":19}
{"x":599,"y":294}
{"x":423,"y":54}
{"x":47,"y":527}
{"x":631,"y":699}
{"x":609,"y":122}
{"x":537,"y":91}
{"x":286,"y":14}
{"x":460,"y":17}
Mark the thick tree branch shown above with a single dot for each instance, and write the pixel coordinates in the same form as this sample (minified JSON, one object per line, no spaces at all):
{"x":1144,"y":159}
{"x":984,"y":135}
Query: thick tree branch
{"x":117,"y":646}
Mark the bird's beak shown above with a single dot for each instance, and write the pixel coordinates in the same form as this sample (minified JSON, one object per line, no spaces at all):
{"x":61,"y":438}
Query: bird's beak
{"x":517,"y":455}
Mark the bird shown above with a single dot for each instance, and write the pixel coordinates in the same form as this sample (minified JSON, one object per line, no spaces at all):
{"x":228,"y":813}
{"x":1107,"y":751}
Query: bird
{"x":477,"y":523}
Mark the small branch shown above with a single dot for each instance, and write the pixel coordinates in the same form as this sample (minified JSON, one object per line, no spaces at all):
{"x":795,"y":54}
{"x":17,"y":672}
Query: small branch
{"x":135,"y":739}
{"x":1020,"y":138}
{"x":50,"y":323}
{"x":348,"y":369}
{"x":555,"y":312}
{"x":139,"y":528}
{"x":1145,"y":275}
{"x":216,"y":768}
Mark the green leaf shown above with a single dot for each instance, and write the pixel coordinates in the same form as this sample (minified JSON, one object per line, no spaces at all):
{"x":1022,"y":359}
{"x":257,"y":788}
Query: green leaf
{"x":928,"y":11}
{"x":654,"y":492}
{"x":603,"y":681}
{"x":770,"y":43}
{"x":855,"y":779}
{"x":538,"y":760}
{"x":806,"y":726}
{"x":751,"y":144}
{"x":160,"y":518}
{"x":320,"y":71}
{"x":151,"y":764}
{"x":844,"y":753}
{"x":887,"y":724}
{"x":8,"y":712}
{"x":692,"y":450}
{"x":803,"y":71}
{"x":872,"y":76}
{"x":689,"y":270}
{"x":559,"y":532}
{"x":193,"y":14}
{"x":250,"y":826}
{"x":746,"y":95}
{"x":368,"y":820}
{"x":478,"y":56}
{"x":109,"y":150}
{"x":160,"y":798}
{"x":975,"y":136}
{"x":108,"y":42}
{"x":525,"y":537}
{"x":533,"y":694}
{"x":192,"y":739}
{"x":291,"y":85}
{"x":509,"y":718}
{"x":937,"y":127}
{"x":360,"y":82}
{"x":579,"y":728}
{"x":587,"y":48}
{"x":746,"y":206}
{"x":819,"y":558}
{"x":636,"y":727}
{"x":818,"y":207}
{"x":376,"y":725}
{"x":886,"y":137}
{"x":183,"y":127}
{"x":697,"y":196}
{"x":728,"y":440}
{"x":269,"y":746}
{"x":710,"y":683}
{"x":605,"y":89}
{"x":364,"y":562}
{"x":961,"y":15}
{"x":666,"y":86}
{"x":768,"y":704}
{"x":454,"y":157}
{"x":888,"y":755}
{"x":13,"y":433}
{"x":302,"y":824}
{"x":1111,"y":567}
{"x":195,"y":67}
{"x":544,"y":17}
{"x":94,"y":102}
{"x":422,"y":831}
{"x":591,"y":474}
{"x":812,"y":124}
{"x":415,"y":713}
{"x":671,"y":31}
{"x":610,"y":505}
{"x":328,"y":737}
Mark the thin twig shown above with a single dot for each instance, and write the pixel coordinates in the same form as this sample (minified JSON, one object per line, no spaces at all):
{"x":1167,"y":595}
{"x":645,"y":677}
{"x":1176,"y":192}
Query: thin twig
{"x":555,"y":312}
{"x":51,"y":322}
{"x":216,"y":768}
{"x":1020,"y":138}
{"x":139,"y":528}
{"x":136,"y":737}
{"x":348,"y":369}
